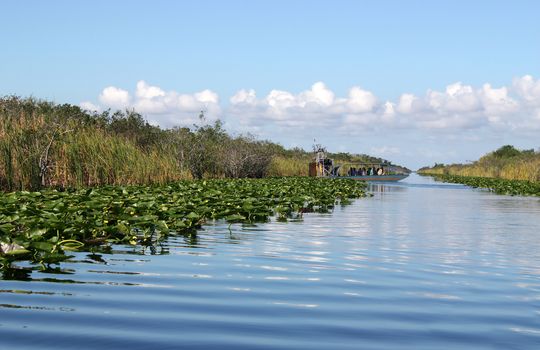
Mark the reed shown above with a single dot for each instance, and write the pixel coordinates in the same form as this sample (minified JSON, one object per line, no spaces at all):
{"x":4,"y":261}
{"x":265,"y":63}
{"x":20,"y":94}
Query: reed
{"x":93,"y":157}
{"x":42,"y":144}
{"x":289,"y":166}
{"x":505,"y":163}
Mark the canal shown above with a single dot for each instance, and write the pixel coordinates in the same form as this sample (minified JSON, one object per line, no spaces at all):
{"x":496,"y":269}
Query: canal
{"x":420,"y":265}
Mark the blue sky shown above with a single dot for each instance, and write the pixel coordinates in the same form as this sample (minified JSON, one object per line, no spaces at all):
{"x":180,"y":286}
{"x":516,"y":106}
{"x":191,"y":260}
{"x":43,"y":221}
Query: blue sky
{"x":416,"y":82}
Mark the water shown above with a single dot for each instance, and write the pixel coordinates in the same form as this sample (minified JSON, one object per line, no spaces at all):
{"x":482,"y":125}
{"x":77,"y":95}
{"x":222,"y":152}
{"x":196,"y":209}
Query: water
{"x":421,"y":265}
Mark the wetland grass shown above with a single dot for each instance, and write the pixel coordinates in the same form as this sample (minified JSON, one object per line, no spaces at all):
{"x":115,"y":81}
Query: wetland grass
{"x":499,"y":186}
{"x":505,"y":171}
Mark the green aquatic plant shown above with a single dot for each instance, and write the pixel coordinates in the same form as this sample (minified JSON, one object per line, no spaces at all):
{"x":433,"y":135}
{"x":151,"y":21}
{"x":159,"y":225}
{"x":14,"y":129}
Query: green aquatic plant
{"x":43,"y":226}
{"x":499,"y":186}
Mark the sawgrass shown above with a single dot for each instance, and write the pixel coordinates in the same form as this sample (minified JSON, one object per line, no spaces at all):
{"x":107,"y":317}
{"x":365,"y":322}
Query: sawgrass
{"x":511,"y":164}
{"x":78,"y":154}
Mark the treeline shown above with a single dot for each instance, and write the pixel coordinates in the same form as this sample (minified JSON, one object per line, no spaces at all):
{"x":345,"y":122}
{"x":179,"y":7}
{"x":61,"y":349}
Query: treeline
{"x":43,"y":144}
{"x":507,"y":162}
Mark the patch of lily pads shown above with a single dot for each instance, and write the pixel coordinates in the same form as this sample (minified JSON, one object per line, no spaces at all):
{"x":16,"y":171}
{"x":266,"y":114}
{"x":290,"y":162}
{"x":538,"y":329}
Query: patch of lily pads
{"x":499,"y":186}
{"x":44,"y":226}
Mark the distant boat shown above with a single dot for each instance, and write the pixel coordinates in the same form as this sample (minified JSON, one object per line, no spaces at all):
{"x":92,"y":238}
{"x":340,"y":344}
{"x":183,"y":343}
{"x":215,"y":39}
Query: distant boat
{"x":325,"y":167}
{"x":374,"y":178}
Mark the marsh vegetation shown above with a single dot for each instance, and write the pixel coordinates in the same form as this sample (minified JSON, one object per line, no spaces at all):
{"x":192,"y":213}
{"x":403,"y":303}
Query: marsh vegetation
{"x":504,"y":171}
{"x":43,"y":144}
{"x":42,"y":226}
{"x":507,"y":162}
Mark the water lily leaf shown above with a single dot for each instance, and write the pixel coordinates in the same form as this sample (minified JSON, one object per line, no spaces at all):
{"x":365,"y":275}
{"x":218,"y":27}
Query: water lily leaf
{"x":162,"y":226}
{"x":192,"y":215}
{"x":122,"y":228}
{"x":235,"y":218}
{"x":72,"y":245}
{"x":39,"y":231}
{"x":51,"y":258}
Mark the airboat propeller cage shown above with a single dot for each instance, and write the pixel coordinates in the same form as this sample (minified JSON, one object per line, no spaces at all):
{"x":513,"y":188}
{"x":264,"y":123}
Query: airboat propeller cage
{"x":321,"y":166}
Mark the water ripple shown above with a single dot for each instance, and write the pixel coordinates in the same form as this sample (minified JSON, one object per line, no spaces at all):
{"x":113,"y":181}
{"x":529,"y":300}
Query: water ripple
{"x":418,"y":266}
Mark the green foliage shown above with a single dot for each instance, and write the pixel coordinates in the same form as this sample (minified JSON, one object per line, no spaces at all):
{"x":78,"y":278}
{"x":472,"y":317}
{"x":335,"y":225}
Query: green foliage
{"x":203,"y":153}
{"x":134,"y":127}
{"x":499,"y":186}
{"x":42,"y":226}
{"x":506,"y":151}
{"x":506,"y":162}
{"x":43,"y":144}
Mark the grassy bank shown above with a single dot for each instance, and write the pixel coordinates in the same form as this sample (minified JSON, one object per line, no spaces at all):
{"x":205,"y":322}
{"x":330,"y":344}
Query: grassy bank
{"x":43,"y":144}
{"x":42,"y":226}
{"x":505,"y":163}
{"x":504,"y":171}
{"x":499,"y":186}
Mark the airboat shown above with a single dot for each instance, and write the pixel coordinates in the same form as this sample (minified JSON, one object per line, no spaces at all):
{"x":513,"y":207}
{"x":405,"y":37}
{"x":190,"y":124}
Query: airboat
{"x":322,"y":166}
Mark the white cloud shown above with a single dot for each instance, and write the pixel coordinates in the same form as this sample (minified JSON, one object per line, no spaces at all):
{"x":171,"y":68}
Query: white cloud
{"x":457,"y":98}
{"x":361,"y":101}
{"x":89,"y":106}
{"x":497,"y":101}
{"x":458,"y":108}
{"x":528,"y":89}
{"x":114,"y":97}
{"x":145,"y":91}
{"x":244,"y":97}
{"x":385,"y":151}
{"x":319,"y":94}
{"x":405,"y":104}
{"x":165,"y":108}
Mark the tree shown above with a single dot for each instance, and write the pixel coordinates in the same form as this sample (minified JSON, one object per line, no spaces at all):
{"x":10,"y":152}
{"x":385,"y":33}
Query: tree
{"x":204,"y":150}
{"x":506,"y":151}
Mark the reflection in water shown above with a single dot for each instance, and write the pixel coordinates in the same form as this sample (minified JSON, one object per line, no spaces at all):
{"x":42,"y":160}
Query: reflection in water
{"x":420,"y":265}
{"x":16,"y":273}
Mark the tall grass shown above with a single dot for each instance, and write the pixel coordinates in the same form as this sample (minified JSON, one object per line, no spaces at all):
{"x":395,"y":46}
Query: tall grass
{"x":40,"y":147}
{"x":513,"y":165}
{"x":45,"y":144}
{"x":93,"y":157}
{"x":289,"y":166}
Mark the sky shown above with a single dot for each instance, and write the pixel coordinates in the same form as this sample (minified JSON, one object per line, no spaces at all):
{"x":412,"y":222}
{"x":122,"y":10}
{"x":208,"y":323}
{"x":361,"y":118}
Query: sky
{"x":414,"y":82}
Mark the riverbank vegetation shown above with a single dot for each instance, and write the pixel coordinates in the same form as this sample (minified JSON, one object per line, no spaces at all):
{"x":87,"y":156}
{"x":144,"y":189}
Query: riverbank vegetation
{"x":43,"y":226}
{"x":499,"y":186}
{"x":506,"y":162}
{"x":504,"y":171}
{"x":43,"y":144}
{"x":71,"y":179}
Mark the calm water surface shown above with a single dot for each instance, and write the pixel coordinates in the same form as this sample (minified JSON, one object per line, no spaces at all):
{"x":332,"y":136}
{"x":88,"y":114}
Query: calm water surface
{"x":421,"y":265}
